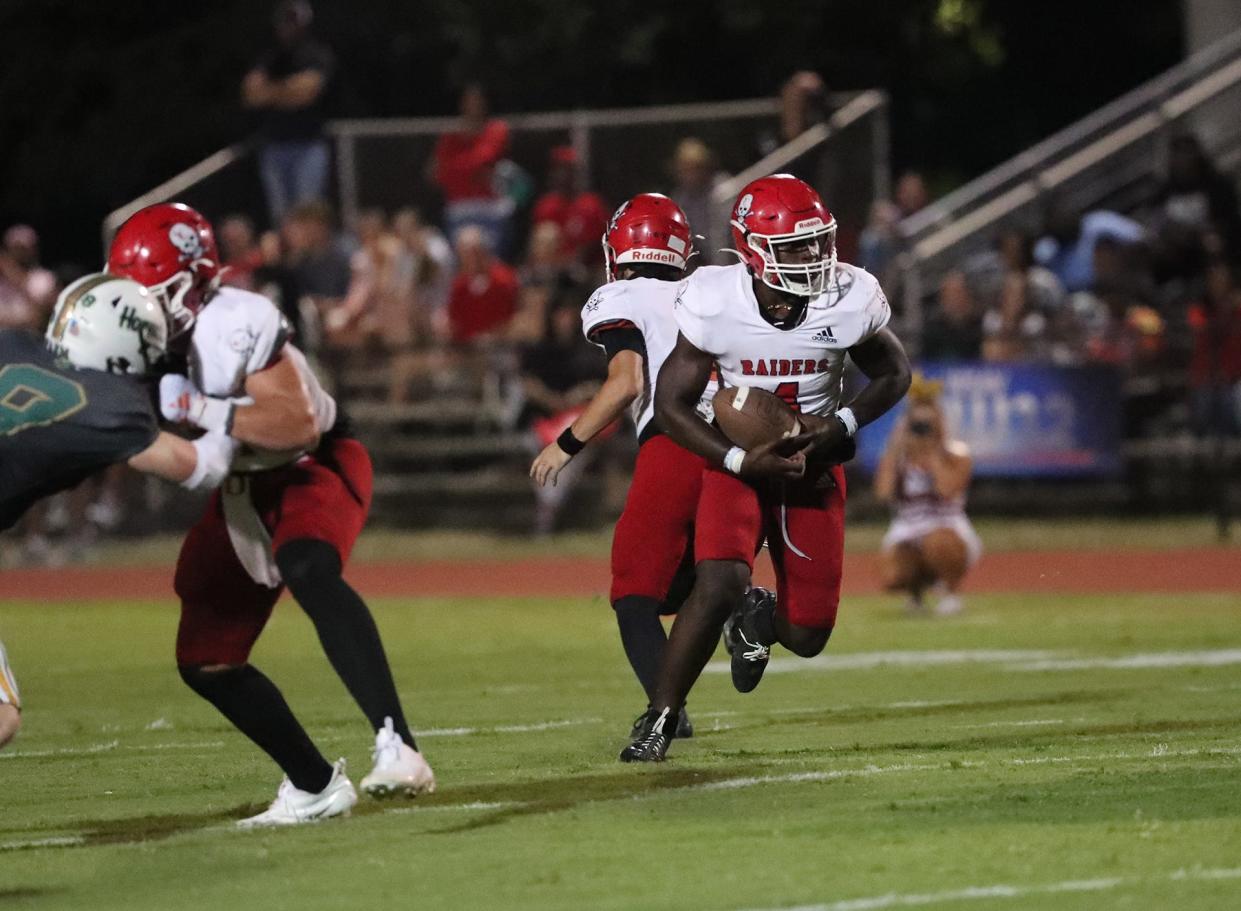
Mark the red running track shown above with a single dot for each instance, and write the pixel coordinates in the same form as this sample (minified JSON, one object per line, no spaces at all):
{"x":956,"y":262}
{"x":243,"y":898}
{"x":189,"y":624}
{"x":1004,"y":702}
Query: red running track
{"x":1170,"y":571}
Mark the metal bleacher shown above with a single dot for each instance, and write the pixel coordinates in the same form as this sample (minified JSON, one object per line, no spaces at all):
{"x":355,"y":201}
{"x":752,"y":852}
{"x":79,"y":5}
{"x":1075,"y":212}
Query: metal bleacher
{"x":1110,"y":158}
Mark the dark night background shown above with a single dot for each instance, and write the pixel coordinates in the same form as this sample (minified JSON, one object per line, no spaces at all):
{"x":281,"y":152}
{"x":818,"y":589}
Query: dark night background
{"x":100,"y":101}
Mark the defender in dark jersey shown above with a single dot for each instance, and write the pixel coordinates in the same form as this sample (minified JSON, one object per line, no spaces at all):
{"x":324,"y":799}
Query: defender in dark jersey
{"x":60,"y":424}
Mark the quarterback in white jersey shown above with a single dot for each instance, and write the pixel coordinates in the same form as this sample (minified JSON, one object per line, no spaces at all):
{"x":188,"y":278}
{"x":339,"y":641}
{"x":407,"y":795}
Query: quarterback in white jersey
{"x":783,"y":320}
{"x":288,"y":515}
{"x":646,"y":248}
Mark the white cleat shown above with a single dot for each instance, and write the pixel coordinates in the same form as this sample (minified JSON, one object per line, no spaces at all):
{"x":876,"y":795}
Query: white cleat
{"x":293,"y":806}
{"x":949,"y":605}
{"x":399,"y":768}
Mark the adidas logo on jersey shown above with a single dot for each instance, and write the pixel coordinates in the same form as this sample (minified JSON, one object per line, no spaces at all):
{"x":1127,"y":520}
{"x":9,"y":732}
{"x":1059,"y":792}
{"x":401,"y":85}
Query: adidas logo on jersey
{"x":824,"y":335}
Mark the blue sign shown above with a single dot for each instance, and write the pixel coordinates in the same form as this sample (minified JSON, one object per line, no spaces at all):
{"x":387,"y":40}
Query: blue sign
{"x":1022,"y":420}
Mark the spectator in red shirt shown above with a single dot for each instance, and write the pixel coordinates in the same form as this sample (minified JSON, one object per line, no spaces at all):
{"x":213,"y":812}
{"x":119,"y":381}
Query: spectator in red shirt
{"x":1215,"y":365}
{"x":582,"y":216}
{"x":464,"y":168}
{"x":484,"y":293}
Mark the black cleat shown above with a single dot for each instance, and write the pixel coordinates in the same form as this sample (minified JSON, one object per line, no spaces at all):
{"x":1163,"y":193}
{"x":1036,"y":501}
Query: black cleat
{"x":652,"y":742}
{"x":749,"y":656}
{"x":685,"y":727}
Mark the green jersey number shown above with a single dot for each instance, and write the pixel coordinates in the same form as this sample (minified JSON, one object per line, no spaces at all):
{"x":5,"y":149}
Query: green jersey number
{"x":33,"y":397}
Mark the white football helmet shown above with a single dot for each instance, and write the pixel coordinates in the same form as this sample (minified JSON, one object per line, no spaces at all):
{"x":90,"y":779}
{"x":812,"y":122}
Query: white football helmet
{"x":106,"y":323}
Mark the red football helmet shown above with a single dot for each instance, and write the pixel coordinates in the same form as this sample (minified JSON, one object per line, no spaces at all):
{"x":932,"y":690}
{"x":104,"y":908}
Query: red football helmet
{"x":649,"y":228}
{"x":169,"y":248}
{"x":785,"y":234}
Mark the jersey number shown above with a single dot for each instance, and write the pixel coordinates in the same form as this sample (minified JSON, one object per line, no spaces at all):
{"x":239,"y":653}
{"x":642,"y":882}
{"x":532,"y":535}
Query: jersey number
{"x":33,"y":397}
{"x":788,"y":392}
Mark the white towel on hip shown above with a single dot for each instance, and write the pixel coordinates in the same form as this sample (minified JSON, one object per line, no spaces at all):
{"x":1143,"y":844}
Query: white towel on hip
{"x":251,"y":542}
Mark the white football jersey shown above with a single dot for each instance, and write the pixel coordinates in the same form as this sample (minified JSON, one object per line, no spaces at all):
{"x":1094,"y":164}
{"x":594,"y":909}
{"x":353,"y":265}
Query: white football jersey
{"x":717,"y":312}
{"x":239,"y":333}
{"x":645,"y":304}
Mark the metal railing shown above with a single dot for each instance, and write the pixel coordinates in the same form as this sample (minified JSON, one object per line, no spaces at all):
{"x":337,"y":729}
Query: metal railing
{"x":583,"y":129}
{"x":1087,"y":164}
{"x":868,"y":108}
{"x":174,"y":186}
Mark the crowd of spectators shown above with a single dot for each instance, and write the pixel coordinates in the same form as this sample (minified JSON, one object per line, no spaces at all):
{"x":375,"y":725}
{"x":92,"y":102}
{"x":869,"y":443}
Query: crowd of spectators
{"x":482,"y":298}
{"x":1153,"y":293}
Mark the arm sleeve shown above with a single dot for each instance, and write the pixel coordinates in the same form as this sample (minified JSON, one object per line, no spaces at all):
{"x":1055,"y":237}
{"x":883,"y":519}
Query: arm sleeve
{"x":616,"y":338}
{"x":118,"y":422}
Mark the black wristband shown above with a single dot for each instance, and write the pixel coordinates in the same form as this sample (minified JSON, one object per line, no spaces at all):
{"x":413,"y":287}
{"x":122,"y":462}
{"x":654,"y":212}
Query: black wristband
{"x":570,"y":444}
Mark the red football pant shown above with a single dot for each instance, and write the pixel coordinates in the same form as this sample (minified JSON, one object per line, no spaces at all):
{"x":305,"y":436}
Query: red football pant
{"x":805,"y":533}
{"x":654,"y":529}
{"x":325,"y":497}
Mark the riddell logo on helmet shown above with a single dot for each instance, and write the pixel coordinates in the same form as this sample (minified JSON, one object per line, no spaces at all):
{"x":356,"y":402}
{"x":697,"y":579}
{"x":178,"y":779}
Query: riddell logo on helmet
{"x":807,"y":223}
{"x":654,"y":256}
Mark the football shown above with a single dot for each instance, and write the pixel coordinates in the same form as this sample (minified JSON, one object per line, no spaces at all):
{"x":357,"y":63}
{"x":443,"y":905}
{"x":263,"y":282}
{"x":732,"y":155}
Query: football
{"x":749,"y":416}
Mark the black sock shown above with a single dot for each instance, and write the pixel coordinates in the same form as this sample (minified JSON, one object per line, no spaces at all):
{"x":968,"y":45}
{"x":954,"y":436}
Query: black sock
{"x":643,"y":637}
{"x":346,"y":629}
{"x":256,"y":708}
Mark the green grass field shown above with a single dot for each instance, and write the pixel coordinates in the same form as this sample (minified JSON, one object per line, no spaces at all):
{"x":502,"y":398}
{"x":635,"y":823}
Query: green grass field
{"x":1019,"y":756}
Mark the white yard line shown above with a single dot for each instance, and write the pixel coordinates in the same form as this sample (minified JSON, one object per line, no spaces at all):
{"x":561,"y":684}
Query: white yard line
{"x":865,"y":661}
{"x":1003,"y":890}
{"x":477,"y":805}
{"x":110,"y":746}
{"x":1008,"y":659}
{"x":532,"y":728}
{"x":116,"y":745}
{"x":833,"y":709}
{"x":1141,"y":661}
{"x":732,"y":784}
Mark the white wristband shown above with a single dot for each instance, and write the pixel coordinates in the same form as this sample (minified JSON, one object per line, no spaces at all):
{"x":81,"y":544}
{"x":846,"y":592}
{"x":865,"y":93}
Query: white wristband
{"x":733,"y":459}
{"x":849,"y":420}
{"x":215,"y":457}
{"x":212,"y":415}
